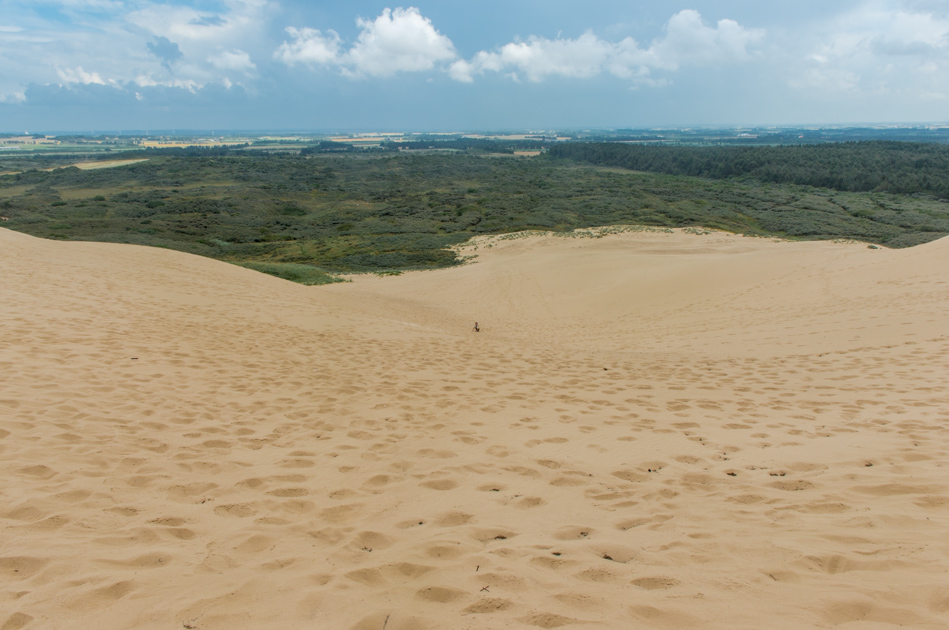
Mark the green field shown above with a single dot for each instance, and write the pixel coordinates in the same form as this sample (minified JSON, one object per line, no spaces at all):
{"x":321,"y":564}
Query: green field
{"x":300,"y":217}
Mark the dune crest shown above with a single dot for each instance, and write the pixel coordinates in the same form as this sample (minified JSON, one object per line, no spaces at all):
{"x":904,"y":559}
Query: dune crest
{"x":651,"y":430}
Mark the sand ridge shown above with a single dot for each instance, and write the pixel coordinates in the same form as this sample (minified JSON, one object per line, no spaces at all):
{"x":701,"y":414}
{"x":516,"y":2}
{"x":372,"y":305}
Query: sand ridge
{"x":652,"y":430}
{"x":100,"y":164}
{"x":89,"y":166}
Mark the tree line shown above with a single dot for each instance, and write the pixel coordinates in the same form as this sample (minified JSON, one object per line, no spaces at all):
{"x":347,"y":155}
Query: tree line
{"x":872,"y":166}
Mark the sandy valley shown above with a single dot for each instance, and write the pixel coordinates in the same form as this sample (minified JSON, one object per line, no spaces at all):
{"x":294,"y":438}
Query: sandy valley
{"x":651,"y":430}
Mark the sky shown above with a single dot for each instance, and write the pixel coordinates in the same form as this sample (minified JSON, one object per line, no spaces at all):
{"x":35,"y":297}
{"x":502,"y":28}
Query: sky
{"x":462,"y":65}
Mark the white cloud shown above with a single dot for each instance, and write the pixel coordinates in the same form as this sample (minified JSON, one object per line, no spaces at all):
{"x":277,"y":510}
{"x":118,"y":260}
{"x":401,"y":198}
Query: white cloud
{"x":181,"y":23}
{"x":236,"y":59}
{"x":78,"y":75}
{"x":94,"y":4}
{"x":403,"y":40}
{"x":877,"y":48}
{"x":309,"y":46}
{"x":400,"y":40}
{"x":687,"y":41}
{"x":124,"y":43}
{"x":184,"y":84}
{"x":13,"y":98}
{"x":539,"y":58}
{"x":860,"y":56}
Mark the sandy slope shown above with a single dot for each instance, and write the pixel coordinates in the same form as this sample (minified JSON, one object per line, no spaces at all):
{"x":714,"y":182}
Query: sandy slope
{"x":93,"y":166}
{"x":652,"y":431}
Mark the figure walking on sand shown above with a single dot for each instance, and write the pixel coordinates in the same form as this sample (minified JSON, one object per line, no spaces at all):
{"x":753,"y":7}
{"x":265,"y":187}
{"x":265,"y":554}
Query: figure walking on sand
{"x":476,"y":328}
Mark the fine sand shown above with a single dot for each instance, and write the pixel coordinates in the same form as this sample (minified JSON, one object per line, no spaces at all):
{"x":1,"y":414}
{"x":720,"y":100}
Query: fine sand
{"x":94,"y":166}
{"x":89,"y":166}
{"x":651,"y":430}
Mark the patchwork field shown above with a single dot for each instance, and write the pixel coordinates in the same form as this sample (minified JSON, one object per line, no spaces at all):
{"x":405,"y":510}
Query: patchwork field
{"x":651,"y":430}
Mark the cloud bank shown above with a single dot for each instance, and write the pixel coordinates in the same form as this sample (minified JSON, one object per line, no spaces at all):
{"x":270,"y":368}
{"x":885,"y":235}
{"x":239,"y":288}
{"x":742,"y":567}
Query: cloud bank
{"x":403,"y":40}
{"x":852,"y":55}
{"x":877,"y":50}
{"x":687,"y":41}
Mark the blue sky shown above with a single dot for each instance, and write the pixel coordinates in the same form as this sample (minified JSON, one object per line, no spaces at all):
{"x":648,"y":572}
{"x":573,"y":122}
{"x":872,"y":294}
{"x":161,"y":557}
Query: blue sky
{"x":111,"y":65}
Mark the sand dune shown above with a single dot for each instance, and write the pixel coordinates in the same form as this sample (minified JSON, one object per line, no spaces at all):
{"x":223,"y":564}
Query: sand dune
{"x":652,"y":430}
{"x":100,"y":164}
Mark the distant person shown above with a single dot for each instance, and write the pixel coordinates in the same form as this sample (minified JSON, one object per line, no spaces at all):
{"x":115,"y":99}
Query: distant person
{"x":476,"y":328}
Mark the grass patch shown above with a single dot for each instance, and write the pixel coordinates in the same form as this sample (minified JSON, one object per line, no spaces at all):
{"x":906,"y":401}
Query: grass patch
{"x":294,"y":272}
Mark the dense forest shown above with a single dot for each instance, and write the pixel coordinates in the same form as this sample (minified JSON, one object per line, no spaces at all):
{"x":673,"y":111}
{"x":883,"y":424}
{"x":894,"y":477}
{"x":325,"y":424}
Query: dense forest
{"x":299,"y":216}
{"x":877,"y":166}
{"x":470,"y":145}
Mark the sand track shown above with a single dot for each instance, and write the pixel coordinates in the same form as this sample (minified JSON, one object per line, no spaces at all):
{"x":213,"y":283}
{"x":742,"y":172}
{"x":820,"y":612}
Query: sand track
{"x":652,"y":431}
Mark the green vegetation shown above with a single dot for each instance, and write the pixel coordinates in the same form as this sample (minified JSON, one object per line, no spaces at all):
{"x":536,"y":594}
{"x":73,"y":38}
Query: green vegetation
{"x":878,"y":166}
{"x":302,"y":217}
{"x":304,"y":274}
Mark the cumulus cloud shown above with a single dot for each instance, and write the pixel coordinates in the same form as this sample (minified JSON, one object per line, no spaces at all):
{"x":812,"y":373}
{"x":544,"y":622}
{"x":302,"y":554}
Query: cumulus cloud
{"x":400,"y":40}
{"x":539,"y":58}
{"x":147,"y":81}
{"x":237,"y":60}
{"x":78,"y":75}
{"x":13,"y":98}
{"x":309,"y":46}
{"x":687,"y":41}
{"x":403,"y":40}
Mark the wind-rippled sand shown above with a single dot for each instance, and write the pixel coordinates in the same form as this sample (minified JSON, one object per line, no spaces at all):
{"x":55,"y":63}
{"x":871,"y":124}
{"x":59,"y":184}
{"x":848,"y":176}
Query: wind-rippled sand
{"x":651,"y":431}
